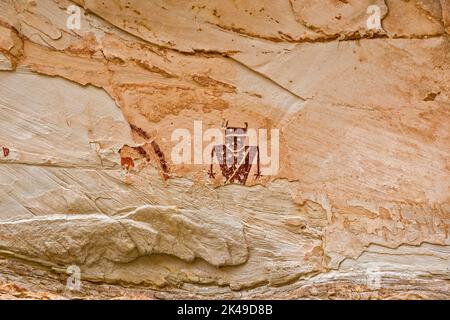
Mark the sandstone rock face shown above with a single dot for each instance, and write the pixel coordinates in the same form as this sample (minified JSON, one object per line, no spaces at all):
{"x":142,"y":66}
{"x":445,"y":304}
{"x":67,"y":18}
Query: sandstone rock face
{"x":111,"y":122}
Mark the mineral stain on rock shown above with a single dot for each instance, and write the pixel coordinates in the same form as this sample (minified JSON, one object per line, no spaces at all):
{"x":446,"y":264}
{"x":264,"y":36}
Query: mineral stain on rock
{"x":127,"y":162}
{"x":155,"y":148}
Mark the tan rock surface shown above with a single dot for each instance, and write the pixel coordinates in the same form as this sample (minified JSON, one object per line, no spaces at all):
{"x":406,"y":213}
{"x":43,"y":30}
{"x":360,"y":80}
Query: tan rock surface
{"x":360,"y":205}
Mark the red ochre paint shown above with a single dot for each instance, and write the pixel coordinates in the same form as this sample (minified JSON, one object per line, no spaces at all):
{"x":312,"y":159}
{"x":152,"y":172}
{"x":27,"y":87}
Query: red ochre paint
{"x":127,"y":162}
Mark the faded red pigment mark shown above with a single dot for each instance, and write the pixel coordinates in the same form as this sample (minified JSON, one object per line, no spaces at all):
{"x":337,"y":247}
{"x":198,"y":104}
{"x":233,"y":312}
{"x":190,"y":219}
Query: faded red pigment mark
{"x":156,"y":149}
{"x":127,"y":162}
{"x":5,"y":151}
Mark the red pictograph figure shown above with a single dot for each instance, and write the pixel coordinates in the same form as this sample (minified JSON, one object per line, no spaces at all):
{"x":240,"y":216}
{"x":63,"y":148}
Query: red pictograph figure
{"x":234,"y":157}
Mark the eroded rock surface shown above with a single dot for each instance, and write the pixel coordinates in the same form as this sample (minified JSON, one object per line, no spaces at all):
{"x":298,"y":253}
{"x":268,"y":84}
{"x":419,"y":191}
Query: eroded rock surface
{"x":359,"y":206}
